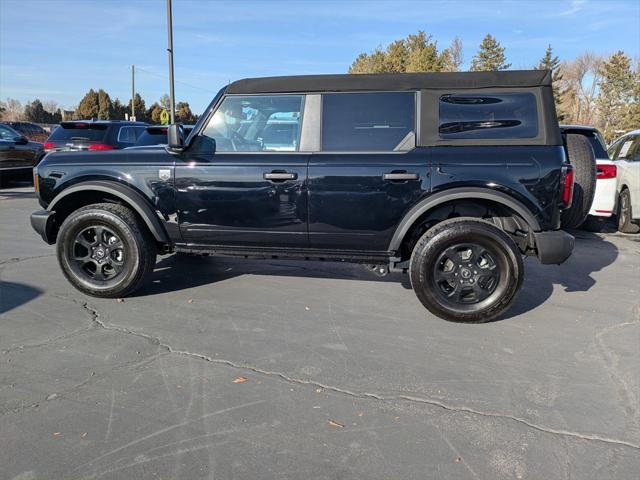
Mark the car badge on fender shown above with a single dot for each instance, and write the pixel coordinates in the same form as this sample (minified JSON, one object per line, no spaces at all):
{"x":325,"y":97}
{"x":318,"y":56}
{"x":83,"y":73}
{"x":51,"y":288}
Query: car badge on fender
{"x":164,"y":174}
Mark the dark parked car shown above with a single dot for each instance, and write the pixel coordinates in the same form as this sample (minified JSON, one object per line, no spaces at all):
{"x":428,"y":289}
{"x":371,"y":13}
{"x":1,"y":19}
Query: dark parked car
{"x":453,"y":177}
{"x":17,"y":153}
{"x":33,"y":132}
{"x":94,"y":135}
{"x":157,"y":135}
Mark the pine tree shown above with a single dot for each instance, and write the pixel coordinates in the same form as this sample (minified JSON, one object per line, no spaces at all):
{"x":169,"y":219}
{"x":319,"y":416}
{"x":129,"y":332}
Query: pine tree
{"x":615,"y":101}
{"x":139,"y":109}
{"x":88,"y":107}
{"x":490,"y":57}
{"x":184,"y":113}
{"x":105,"y":107}
{"x":35,"y":112}
{"x":549,"y":62}
{"x":154,"y":112}
{"x":416,"y":53}
{"x":422,"y":54}
{"x":119,"y":109}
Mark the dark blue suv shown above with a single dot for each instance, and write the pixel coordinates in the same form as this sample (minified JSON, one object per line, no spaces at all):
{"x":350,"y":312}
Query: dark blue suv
{"x":453,"y":177}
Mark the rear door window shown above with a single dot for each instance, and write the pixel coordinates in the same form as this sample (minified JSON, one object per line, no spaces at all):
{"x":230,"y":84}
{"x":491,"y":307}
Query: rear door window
{"x":368,"y":122}
{"x":487,"y":116}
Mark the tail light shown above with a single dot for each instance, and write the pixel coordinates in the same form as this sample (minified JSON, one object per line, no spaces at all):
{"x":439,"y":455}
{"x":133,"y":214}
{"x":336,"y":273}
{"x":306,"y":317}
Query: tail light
{"x":607,"y":171}
{"x":100,"y":146}
{"x":49,"y":145}
{"x":567,"y":186}
{"x":36,"y":181}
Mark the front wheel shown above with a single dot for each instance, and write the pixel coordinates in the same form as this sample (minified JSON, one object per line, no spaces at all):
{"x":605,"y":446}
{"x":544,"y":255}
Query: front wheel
{"x":104,"y":251}
{"x":466,"y":270}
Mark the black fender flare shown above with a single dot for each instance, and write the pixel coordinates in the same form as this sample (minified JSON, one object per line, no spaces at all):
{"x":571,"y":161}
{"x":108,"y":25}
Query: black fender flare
{"x":467,"y":193}
{"x":138,"y":202}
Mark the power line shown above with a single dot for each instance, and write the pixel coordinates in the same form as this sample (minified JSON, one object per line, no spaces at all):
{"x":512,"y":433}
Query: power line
{"x":177,"y":81}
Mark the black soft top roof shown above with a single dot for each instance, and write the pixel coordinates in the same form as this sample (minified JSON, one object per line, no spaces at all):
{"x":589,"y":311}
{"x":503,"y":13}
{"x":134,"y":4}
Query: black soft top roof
{"x":391,"y":81}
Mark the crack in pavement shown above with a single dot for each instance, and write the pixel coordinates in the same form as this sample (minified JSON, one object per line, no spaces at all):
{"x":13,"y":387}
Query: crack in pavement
{"x":362,"y":395}
{"x":22,"y":259}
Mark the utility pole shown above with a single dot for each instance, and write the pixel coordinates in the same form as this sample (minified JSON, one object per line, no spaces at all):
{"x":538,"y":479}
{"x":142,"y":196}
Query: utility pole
{"x":133,"y":91}
{"x":170,"y":52}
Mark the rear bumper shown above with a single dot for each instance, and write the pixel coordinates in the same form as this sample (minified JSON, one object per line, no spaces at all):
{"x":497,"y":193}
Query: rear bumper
{"x":553,"y":247}
{"x":42,"y":222}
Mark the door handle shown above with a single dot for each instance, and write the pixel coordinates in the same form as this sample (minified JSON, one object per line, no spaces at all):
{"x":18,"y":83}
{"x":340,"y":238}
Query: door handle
{"x":280,"y":176}
{"x":400,"y":176}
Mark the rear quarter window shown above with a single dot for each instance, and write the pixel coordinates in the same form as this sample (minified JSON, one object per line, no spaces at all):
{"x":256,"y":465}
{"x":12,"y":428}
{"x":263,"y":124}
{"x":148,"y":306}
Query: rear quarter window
{"x":129,"y":134}
{"x":487,"y":116}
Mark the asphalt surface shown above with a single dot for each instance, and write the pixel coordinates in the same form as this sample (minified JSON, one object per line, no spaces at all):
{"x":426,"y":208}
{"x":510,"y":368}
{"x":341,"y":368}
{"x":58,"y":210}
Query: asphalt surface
{"x":225,"y":368}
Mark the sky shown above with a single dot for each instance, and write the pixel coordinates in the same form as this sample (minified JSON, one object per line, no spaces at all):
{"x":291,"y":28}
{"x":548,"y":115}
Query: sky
{"x":59,"y":49}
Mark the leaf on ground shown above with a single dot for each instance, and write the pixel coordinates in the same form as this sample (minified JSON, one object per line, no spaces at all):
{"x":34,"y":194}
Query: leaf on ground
{"x":307,"y":308}
{"x":55,"y":434}
{"x":190,"y":300}
{"x":457,"y":460}
{"x":333,"y":423}
{"x":83,"y":435}
{"x":120,"y":300}
{"x":360,"y":414}
{"x":240,"y":380}
{"x":318,"y":390}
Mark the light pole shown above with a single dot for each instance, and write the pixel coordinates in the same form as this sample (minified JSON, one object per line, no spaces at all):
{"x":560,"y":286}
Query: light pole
{"x":170,"y":52}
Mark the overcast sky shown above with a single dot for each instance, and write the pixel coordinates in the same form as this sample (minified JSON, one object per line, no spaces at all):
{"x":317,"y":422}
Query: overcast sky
{"x":57,"y":50}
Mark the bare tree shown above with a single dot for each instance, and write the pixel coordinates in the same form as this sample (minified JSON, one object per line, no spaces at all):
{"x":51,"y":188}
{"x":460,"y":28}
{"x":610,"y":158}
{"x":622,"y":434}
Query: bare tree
{"x":452,"y":56}
{"x":13,"y":110}
{"x":580,"y":79}
{"x":51,"y":106}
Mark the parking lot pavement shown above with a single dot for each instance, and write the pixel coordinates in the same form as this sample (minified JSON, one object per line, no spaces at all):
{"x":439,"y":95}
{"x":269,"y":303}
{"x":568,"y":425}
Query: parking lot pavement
{"x":225,"y":368}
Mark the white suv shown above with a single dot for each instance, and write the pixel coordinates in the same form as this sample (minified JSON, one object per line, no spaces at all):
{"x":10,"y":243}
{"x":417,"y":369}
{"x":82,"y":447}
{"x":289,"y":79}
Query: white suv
{"x":625,"y":152}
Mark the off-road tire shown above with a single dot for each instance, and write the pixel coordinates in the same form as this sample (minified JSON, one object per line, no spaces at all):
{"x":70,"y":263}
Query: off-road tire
{"x":139,"y":249}
{"x":583,"y":159}
{"x":449,"y":234}
{"x":624,"y":217}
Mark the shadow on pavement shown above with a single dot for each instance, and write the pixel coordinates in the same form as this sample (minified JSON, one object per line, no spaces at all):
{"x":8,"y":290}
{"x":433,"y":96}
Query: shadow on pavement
{"x":13,"y":295}
{"x":591,"y":254}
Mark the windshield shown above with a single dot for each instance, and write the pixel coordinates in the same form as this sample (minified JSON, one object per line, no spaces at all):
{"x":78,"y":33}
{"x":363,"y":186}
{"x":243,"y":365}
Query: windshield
{"x":80,"y":132}
{"x":597,"y":143}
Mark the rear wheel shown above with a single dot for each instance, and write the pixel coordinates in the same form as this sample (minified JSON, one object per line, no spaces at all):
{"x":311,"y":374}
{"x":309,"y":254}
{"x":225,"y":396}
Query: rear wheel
{"x":583,"y":159}
{"x":104,"y":251}
{"x":466,"y":270}
{"x":624,"y":213}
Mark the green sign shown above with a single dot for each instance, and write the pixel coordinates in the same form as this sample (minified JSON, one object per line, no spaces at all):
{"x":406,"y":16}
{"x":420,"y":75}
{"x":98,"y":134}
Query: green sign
{"x":164,"y":117}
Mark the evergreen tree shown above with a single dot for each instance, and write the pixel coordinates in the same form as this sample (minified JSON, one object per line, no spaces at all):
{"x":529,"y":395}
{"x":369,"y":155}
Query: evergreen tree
{"x":88,"y":107}
{"x":154,"y":112}
{"x":617,"y":95}
{"x":184,"y":113}
{"x":35,"y":112}
{"x":550,"y":62}
{"x":105,"y":107}
{"x":119,"y":109}
{"x":139,"y":109}
{"x":416,"y":53}
{"x":490,"y":57}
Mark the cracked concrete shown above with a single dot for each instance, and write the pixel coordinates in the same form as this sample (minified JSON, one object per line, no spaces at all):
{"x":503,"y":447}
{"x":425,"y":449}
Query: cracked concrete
{"x":93,"y":388}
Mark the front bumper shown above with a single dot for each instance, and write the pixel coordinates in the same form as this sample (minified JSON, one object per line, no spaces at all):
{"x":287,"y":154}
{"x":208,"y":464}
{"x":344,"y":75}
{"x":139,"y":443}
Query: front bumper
{"x":42,"y":222}
{"x":554,"y":247}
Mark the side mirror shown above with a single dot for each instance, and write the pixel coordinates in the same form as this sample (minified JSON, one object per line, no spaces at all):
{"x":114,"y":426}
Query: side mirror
{"x":21,"y":140}
{"x":175,"y":137}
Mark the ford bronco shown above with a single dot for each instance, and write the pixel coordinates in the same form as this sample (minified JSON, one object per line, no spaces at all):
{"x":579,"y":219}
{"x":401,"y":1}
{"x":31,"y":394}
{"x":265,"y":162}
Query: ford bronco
{"x":451,"y":177}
